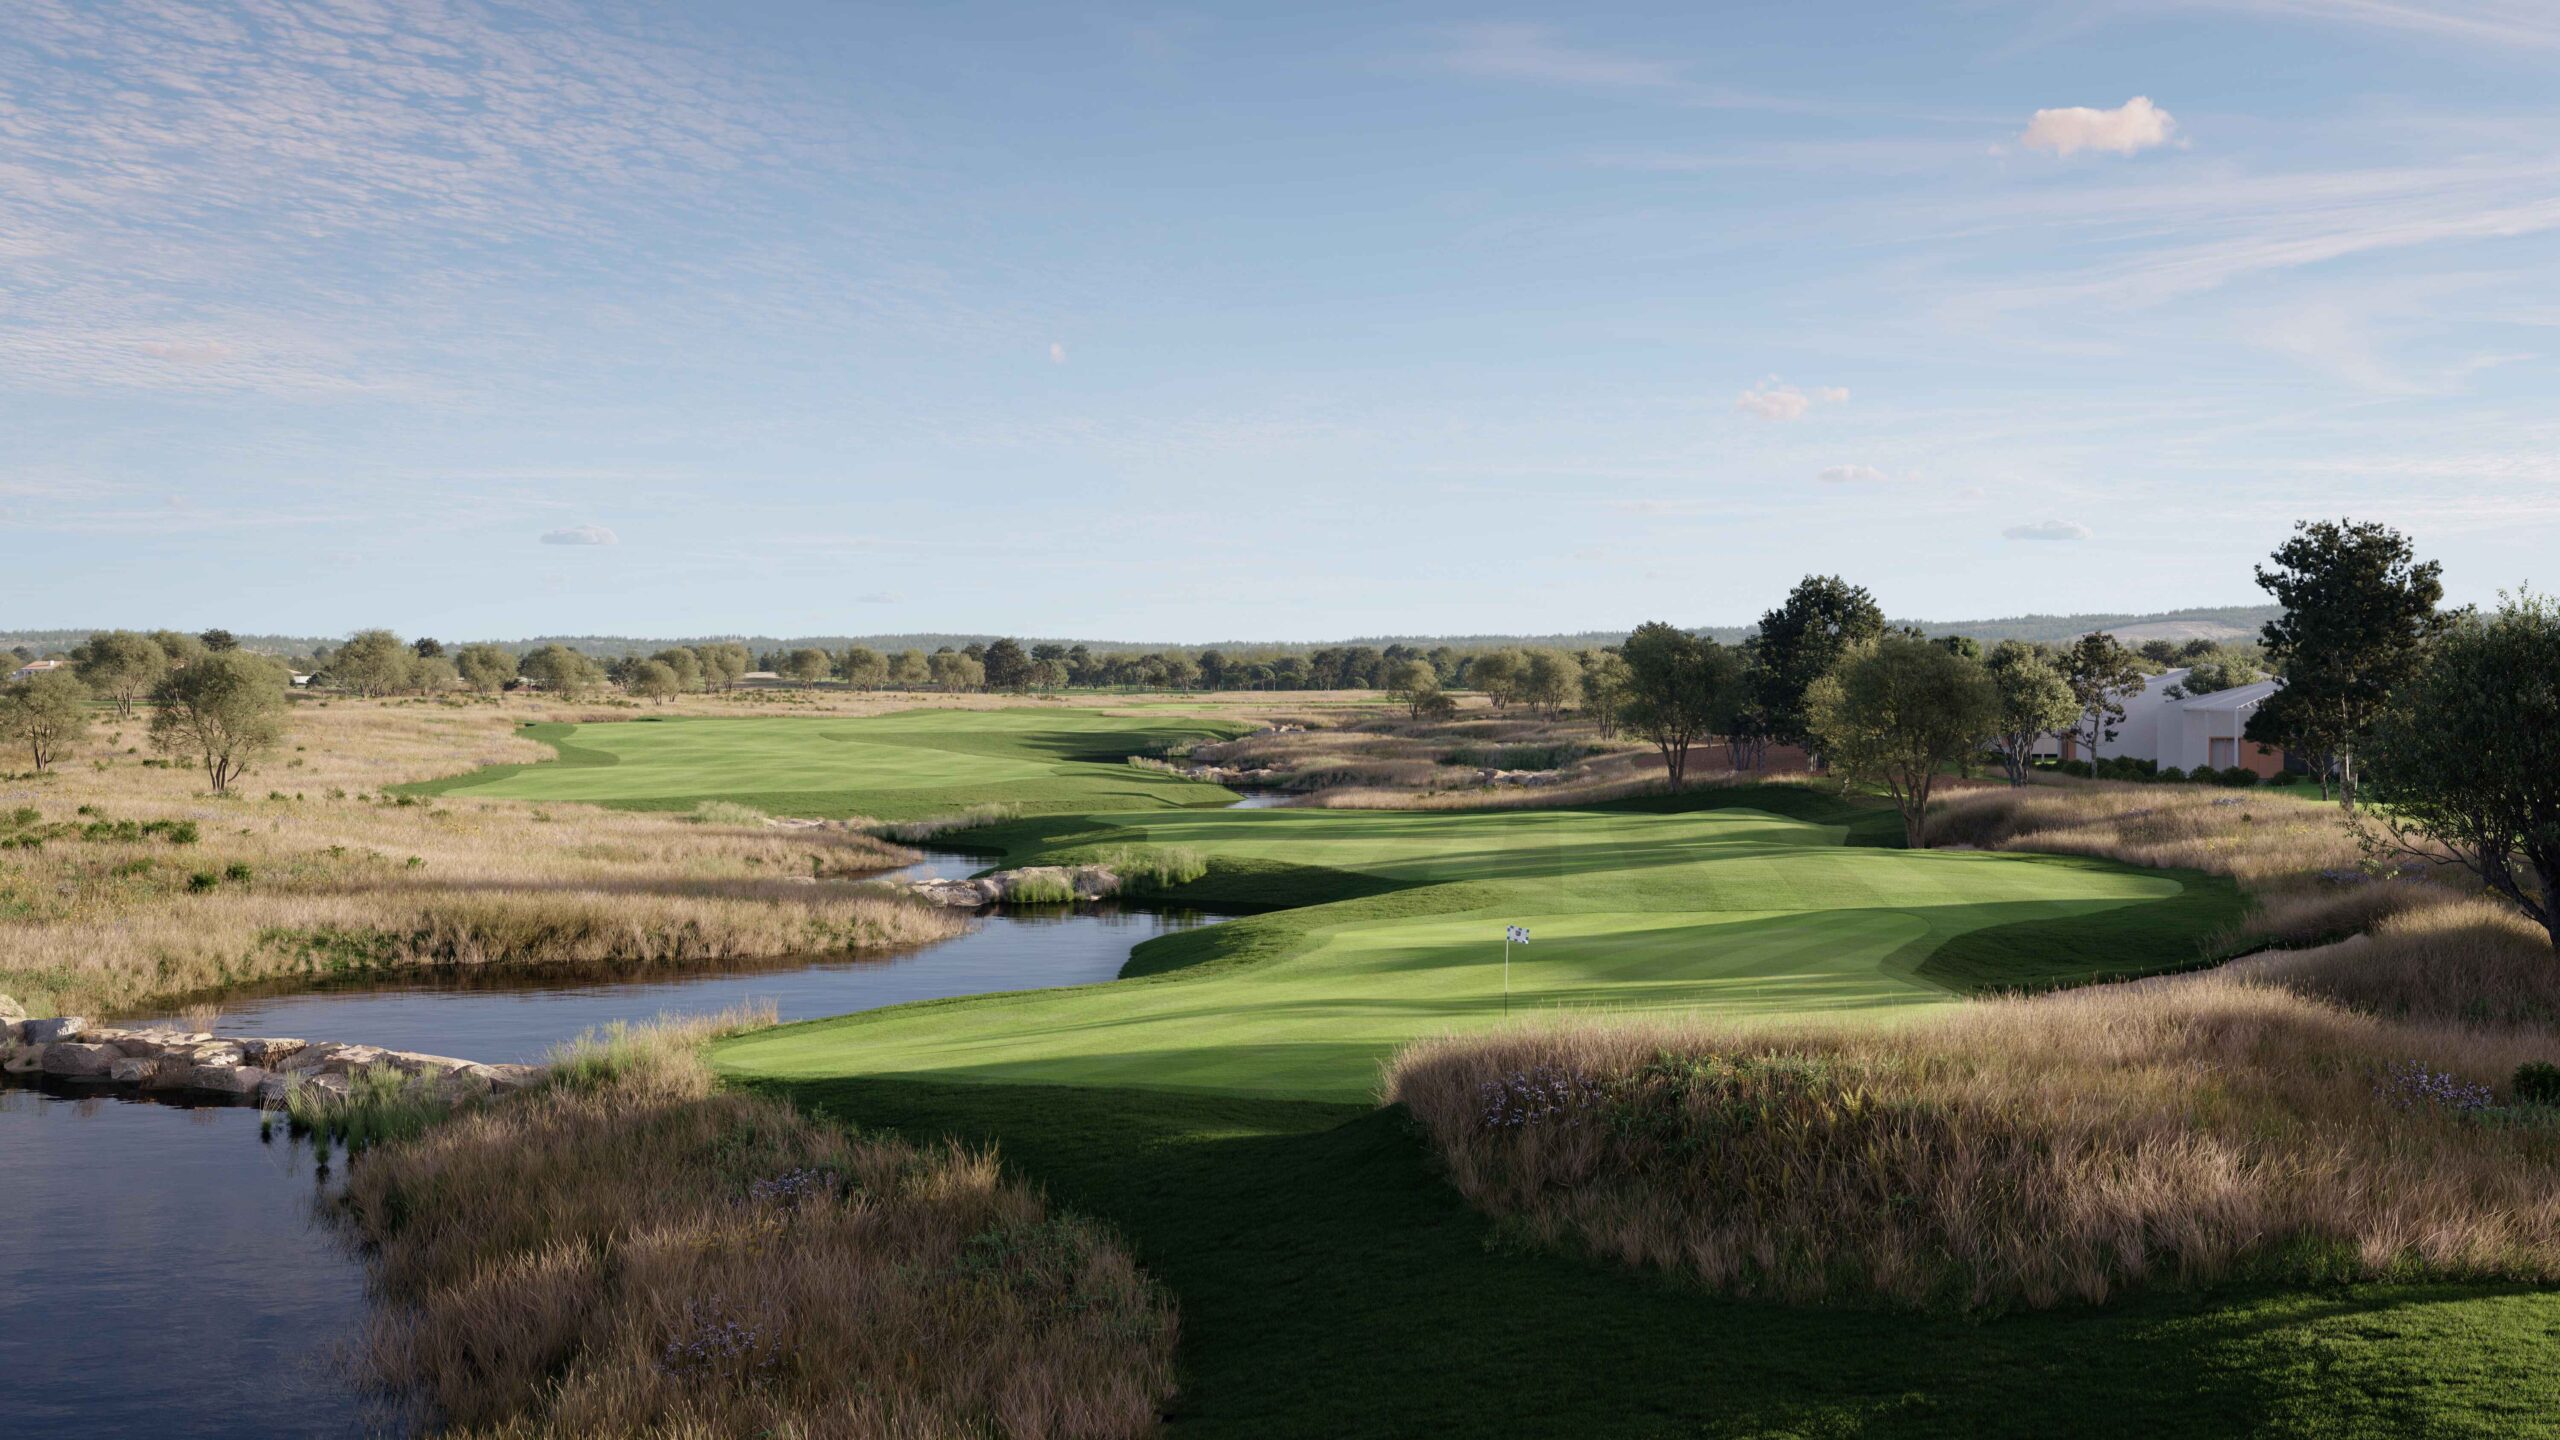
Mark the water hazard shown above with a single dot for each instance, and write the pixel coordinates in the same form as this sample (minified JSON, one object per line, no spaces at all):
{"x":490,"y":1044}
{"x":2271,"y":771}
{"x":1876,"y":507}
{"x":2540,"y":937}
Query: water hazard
{"x":163,"y":1270}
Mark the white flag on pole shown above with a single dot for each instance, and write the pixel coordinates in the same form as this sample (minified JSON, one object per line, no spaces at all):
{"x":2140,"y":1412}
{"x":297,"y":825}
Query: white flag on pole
{"x":1516,"y":934}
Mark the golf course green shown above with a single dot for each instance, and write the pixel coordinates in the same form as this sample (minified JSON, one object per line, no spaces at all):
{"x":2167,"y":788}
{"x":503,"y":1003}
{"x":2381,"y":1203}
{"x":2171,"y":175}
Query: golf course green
{"x":1731,"y":909}
{"x":905,"y":766}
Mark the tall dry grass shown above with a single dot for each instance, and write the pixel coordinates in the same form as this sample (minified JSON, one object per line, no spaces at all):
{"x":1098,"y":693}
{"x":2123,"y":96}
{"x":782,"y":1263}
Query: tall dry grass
{"x":310,"y":869}
{"x":632,"y":1252}
{"x":2013,"y":1152}
{"x":2257,"y":838}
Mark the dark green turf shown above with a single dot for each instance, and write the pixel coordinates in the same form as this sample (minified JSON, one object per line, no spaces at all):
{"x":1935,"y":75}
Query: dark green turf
{"x":1333,"y":1285}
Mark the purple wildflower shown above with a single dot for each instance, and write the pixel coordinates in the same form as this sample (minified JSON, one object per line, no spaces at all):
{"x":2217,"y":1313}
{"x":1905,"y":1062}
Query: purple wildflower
{"x":1540,"y":1095}
{"x":2411,"y":1084}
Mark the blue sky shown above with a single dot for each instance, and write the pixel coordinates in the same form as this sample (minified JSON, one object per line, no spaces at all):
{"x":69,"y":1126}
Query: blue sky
{"x":1274,"y":321}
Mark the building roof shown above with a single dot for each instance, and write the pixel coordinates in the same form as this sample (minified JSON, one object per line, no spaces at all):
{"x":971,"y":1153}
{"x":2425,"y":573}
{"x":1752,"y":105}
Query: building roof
{"x":2238,"y":697}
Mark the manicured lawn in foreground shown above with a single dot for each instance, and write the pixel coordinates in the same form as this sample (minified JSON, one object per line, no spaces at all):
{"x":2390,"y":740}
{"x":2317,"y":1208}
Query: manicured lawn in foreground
{"x":889,"y":767}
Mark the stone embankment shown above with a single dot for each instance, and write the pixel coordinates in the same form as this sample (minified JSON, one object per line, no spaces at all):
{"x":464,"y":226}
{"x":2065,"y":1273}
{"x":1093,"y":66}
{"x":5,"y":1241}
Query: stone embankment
{"x":1034,"y":884}
{"x":265,"y":1070}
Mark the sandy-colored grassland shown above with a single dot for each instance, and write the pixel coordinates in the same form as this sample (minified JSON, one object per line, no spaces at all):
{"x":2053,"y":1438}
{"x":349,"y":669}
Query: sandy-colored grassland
{"x":309,"y":868}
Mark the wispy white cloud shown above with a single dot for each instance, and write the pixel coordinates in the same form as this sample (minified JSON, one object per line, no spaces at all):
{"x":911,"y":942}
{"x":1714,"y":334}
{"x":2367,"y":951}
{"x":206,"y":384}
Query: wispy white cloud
{"x":1537,"y":54}
{"x":1851,"y":475}
{"x":2048,"y":530}
{"x":1773,"y":399}
{"x":2135,"y":126}
{"x":581,"y":535}
{"x":2531,"y":24}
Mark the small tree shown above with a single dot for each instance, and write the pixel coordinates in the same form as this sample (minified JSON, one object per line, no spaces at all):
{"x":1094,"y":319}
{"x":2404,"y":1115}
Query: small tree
{"x":223,"y":711}
{"x":433,"y":674}
{"x":374,"y":662}
{"x":1679,"y":690}
{"x":1497,"y":674}
{"x":808,"y":665}
{"x":120,"y":665}
{"x":218,"y":640}
{"x":2467,"y":755}
{"x":863,"y":668}
{"x":1549,"y":680}
{"x":562,"y":671}
{"x":2214,"y":672}
{"x":2102,"y":675}
{"x":2034,"y":701}
{"x":724,"y":663}
{"x":655,"y":680}
{"x":1412,"y":683}
{"x":953,"y":670}
{"x":911,"y":670}
{"x":485,"y":668}
{"x":1899,"y":710}
{"x":2359,"y":609}
{"x":46,"y":713}
{"x":687,"y":665}
{"x":1604,"y":690}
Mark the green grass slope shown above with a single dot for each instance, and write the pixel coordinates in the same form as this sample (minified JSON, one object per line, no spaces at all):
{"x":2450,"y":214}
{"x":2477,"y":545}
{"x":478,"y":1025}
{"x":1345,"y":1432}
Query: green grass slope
{"x":1635,"y":909}
{"x":889,"y":767}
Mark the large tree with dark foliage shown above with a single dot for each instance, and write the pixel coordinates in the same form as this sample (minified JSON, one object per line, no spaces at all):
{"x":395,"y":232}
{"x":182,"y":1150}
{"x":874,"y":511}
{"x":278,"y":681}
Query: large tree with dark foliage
{"x":1008,"y":665}
{"x":1800,"y":641}
{"x":2466,"y":757}
{"x":2359,"y":609}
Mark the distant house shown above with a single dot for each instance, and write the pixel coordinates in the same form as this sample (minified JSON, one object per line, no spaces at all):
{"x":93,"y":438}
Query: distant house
{"x":2210,"y":730}
{"x":2187,"y":733}
{"x":38,"y":667}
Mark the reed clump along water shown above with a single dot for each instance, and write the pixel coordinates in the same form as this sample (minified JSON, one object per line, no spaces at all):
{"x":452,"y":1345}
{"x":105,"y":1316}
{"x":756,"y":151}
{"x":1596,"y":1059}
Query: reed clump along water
{"x":125,"y":884}
{"x":630,"y":1250}
{"x":2344,"y":1111}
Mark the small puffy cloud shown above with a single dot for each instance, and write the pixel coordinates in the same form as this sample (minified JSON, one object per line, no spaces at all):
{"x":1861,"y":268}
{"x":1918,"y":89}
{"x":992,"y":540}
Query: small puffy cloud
{"x":581,"y":535}
{"x":1773,"y":400}
{"x":1852,"y":475}
{"x":2134,"y":126}
{"x":1057,"y":352}
{"x":2048,"y":530}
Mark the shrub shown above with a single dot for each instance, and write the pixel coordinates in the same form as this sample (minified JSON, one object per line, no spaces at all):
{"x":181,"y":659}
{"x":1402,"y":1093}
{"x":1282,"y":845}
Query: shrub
{"x":2537,"y":1082}
{"x":202,"y":881}
{"x":726,"y":812}
{"x":2239,"y":777}
{"x":2173,"y":776}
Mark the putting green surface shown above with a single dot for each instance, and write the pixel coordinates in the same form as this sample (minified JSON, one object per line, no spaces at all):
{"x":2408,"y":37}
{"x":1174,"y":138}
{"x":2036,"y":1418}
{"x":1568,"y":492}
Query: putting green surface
{"x":889,"y":767}
{"x":1737,"y":911}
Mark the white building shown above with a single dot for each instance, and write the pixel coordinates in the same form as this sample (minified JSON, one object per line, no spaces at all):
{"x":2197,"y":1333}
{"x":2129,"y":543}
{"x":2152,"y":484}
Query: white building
{"x":2190,"y":732}
{"x":2211,"y":730}
{"x":37,"y":667}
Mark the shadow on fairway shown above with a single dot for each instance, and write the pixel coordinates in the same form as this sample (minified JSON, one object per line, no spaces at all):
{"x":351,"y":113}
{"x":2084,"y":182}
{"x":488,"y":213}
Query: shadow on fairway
{"x":1332,"y":1284}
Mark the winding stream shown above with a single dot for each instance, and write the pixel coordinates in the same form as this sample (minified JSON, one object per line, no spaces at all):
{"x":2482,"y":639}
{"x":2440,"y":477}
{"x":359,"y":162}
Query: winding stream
{"x":163,"y":1270}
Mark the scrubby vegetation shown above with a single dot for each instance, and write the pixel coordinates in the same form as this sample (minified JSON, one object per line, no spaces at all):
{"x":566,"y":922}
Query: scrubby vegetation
{"x":630,"y":1250}
{"x":2019,"y":1152}
{"x":125,"y":885}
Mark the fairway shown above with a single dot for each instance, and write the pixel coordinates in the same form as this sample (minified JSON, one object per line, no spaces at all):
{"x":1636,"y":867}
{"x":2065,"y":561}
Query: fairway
{"x":1735,"y":910}
{"x":906,"y":766}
